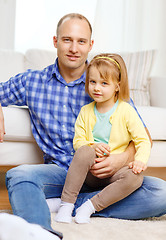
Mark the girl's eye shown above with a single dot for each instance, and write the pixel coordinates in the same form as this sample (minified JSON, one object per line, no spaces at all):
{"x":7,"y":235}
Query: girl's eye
{"x":92,"y":81}
{"x":104,"y":83}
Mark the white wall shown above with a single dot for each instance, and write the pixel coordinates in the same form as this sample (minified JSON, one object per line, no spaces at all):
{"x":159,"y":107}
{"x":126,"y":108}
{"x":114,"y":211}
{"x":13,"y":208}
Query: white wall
{"x":7,"y":23}
{"x":118,"y":25}
{"x":36,"y":20}
{"x":132,"y":25}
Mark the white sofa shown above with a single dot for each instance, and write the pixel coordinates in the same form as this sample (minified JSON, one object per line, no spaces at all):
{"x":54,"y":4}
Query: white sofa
{"x":19,"y":146}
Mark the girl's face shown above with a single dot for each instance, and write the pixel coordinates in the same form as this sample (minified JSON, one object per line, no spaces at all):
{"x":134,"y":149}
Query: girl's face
{"x":102,"y":91}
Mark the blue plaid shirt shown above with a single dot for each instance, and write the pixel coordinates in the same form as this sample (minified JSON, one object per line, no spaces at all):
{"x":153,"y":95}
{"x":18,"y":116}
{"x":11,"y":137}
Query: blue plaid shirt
{"x":53,"y":106}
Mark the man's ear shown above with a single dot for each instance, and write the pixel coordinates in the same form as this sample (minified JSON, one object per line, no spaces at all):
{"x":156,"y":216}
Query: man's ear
{"x":55,"y":41}
{"x":91,"y":45}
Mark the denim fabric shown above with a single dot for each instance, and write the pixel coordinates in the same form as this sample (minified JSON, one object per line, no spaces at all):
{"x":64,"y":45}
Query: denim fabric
{"x":29,"y":185}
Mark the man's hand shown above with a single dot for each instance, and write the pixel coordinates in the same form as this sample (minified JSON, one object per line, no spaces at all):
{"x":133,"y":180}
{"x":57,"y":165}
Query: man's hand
{"x":2,"y":125}
{"x":108,"y":166}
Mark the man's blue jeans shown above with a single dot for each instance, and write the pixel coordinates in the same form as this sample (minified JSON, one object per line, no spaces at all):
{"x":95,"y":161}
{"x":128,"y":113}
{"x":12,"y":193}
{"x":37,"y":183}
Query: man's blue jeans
{"x":30,"y":185}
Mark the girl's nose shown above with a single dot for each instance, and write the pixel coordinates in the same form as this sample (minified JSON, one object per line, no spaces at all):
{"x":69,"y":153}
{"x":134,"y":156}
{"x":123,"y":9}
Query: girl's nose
{"x":97,"y":88}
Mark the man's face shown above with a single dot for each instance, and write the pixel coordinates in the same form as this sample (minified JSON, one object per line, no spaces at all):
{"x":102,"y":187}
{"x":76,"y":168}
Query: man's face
{"x":73,"y":44}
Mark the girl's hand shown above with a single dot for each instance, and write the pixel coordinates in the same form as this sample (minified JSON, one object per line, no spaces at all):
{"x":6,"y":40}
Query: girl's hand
{"x":137,"y":166}
{"x":102,"y":149}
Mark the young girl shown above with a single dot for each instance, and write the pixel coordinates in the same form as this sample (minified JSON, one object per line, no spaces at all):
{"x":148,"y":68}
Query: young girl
{"x":104,"y":127}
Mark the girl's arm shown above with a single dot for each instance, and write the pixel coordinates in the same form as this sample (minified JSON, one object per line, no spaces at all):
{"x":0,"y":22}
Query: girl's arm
{"x":80,"y":137}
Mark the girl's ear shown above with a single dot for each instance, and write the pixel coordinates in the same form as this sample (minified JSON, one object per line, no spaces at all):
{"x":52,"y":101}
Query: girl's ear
{"x":117,"y":89}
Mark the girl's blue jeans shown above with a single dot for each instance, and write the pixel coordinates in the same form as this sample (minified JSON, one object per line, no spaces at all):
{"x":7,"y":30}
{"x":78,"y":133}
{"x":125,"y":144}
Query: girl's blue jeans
{"x":29,"y":186}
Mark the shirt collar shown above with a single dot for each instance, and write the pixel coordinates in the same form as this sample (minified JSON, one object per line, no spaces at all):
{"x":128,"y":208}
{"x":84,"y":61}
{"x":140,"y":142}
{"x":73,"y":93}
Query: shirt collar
{"x":56,"y":73}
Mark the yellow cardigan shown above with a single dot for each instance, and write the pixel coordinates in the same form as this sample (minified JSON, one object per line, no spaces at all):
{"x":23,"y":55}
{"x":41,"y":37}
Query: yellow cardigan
{"x":126,"y":126}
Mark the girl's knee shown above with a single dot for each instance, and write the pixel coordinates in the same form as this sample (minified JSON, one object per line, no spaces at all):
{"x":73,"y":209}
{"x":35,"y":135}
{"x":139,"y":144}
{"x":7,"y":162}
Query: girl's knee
{"x":87,"y":150}
{"x":85,"y":154}
{"x":135,"y":180}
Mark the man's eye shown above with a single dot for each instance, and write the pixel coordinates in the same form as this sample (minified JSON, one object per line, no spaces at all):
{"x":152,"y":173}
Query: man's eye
{"x":66,"y":40}
{"x":82,"y":41}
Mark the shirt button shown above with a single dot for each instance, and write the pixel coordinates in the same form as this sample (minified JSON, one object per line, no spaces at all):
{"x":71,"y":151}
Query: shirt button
{"x":63,"y":126}
{"x":64,"y":106}
{"x":72,"y":153}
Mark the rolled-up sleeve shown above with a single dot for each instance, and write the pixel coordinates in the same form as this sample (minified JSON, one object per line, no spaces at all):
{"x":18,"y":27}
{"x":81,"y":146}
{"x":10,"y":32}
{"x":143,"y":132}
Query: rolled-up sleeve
{"x":13,"y":92}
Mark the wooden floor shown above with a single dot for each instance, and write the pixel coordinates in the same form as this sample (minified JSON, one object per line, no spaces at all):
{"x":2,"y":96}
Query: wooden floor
{"x":4,"y":200}
{"x":156,"y":172}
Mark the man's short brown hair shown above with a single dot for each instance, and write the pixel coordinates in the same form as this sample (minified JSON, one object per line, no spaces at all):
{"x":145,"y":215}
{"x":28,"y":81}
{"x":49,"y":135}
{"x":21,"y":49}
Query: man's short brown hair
{"x":71,"y":16}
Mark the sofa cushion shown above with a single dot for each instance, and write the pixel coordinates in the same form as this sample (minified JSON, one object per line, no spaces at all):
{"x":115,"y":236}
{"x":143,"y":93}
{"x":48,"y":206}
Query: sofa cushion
{"x":17,"y":124}
{"x":16,"y":153}
{"x":11,"y":63}
{"x":157,"y":156}
{"x":139,"y":65}
{"x":39,"y":59}
{"x":154,"y":118}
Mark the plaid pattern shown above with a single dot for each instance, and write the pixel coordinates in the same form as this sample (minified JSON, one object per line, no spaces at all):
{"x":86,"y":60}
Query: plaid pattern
{"x":53,"y":106}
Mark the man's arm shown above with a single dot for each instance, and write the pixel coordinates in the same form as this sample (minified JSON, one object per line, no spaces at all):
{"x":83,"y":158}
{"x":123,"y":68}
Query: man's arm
{"x":2,"y":126}
{"x":147,"y":131}
{"x":107,"y":166}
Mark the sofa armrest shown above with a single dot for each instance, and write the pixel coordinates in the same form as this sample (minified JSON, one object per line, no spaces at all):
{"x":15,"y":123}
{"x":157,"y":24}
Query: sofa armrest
{"x":158,"y":91}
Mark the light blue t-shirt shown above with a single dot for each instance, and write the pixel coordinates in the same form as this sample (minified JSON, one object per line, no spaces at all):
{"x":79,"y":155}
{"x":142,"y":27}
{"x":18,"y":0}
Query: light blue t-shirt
{"x":102,"y":129}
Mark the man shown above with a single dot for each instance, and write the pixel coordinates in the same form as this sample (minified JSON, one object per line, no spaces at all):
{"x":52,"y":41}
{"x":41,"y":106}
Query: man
{"x":54,"y":97}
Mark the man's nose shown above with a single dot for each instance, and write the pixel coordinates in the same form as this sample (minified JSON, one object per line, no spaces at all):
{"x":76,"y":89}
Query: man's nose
{"x":73,"y":47}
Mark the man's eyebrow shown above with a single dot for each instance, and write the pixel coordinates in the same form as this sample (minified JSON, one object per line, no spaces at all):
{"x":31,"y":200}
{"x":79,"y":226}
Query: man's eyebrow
{"x":66,"y":37}
{"x":84,"y":39}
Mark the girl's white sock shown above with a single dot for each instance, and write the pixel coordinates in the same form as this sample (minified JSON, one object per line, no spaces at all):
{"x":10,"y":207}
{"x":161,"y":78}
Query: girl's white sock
{"x":84,"y":212}
{"x":65,"y":212}
{"x":53,"y":204}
